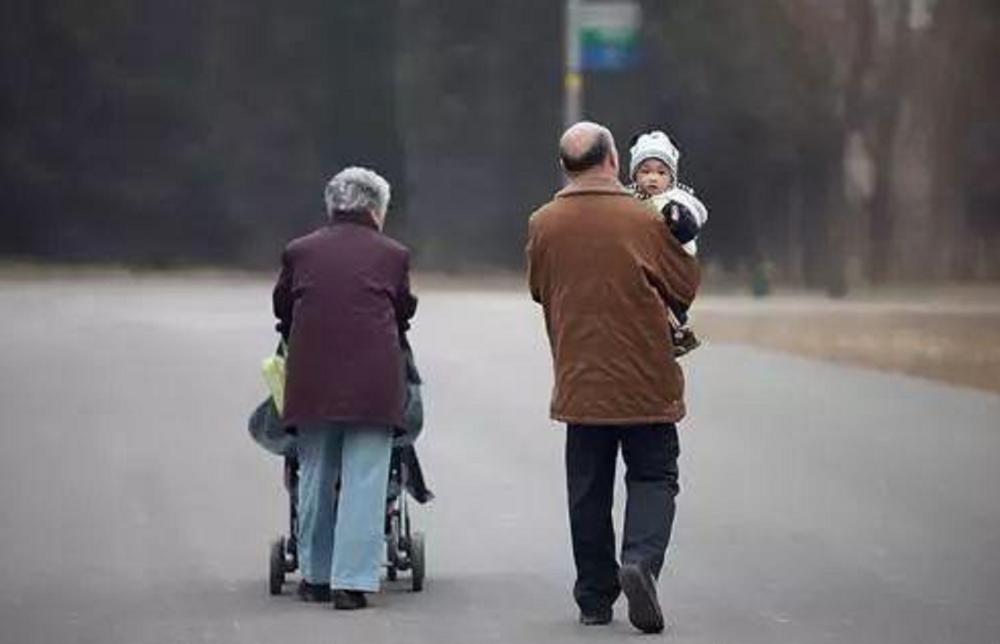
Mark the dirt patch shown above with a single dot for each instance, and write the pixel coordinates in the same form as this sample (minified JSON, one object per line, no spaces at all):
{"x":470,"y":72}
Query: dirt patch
{"x":956,"y":342}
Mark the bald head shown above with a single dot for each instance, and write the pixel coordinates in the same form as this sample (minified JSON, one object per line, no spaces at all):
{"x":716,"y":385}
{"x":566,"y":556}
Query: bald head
{"x":588,"y":146}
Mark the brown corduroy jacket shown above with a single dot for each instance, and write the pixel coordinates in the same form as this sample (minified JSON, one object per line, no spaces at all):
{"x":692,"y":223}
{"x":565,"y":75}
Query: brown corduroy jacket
{"x":605,"y":268}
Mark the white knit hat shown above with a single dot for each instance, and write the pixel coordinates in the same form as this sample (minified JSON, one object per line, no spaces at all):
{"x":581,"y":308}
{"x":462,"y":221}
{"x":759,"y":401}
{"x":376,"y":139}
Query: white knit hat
{"x":654,"y":145}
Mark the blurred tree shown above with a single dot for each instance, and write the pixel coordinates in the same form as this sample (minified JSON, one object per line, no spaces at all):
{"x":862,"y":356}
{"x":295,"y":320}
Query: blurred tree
{"x":909,"y":76}
{"x":837,"y":140}
{"x":754,"y":115}
{"x":481,"y":86}
{"x":154,"y":132}
{"x":293,"y":93}
{"x":99,"y":138}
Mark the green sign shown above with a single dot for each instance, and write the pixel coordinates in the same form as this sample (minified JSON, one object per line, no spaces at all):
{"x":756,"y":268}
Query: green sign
{"x":609,"y":35}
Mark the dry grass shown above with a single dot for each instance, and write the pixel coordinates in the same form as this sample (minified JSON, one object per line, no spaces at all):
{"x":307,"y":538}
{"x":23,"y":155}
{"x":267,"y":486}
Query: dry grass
{"x":953,"y":339}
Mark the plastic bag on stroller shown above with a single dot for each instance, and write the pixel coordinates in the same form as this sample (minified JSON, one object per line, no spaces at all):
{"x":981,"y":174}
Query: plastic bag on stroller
{"x":268,"y":431}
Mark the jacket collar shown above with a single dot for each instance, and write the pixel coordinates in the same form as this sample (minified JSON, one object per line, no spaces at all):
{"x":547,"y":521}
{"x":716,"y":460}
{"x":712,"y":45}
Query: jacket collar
{"x":353,"y":217}
{"x":593,"y":184}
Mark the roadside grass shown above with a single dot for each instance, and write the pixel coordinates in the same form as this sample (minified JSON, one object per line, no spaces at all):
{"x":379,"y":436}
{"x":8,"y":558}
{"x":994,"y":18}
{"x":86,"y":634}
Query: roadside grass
{"x":953,"y":339}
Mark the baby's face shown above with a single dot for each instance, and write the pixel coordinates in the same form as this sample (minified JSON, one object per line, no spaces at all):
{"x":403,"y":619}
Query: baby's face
{"x":653,"y":177}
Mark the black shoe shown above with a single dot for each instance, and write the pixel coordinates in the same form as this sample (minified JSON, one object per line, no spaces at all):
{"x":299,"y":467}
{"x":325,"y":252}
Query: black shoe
{"x":643,"y":606}
{"x":595,"y":617}
{"x":685,"y":341}
{"x":349,"y":599}
{"x":319,"y":593}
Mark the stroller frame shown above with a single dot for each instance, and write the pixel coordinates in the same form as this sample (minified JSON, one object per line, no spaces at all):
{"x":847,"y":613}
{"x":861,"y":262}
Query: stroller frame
{"x":404,"y":547}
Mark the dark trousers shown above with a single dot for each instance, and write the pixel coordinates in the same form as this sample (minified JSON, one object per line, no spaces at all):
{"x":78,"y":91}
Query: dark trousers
{"x":650,"y":453}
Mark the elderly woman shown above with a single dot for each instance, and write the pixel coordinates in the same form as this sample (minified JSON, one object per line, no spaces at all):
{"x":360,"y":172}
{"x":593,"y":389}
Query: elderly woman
{"x":343,"y":300}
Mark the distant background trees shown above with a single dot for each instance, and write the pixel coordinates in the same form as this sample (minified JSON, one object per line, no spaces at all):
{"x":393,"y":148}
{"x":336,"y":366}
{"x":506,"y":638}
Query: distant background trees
{"x":836,"y":141}
{"x":191,"y":130}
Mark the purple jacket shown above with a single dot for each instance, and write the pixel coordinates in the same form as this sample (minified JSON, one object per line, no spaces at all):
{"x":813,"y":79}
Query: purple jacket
{"x":342,"y":301}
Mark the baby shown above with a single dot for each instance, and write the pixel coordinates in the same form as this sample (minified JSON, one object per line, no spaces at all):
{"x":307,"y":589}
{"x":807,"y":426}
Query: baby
{"x":653,"y":173}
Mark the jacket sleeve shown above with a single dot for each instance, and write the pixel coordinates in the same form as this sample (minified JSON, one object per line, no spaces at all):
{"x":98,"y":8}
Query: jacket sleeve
{"x":404,"y":302}
{"x":534,"y":266}
{"x":673,"y":273}
{"x":282,"y":299}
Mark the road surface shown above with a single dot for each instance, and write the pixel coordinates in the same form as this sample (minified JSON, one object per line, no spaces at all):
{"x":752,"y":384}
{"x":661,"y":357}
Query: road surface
{"x":819,"y":503}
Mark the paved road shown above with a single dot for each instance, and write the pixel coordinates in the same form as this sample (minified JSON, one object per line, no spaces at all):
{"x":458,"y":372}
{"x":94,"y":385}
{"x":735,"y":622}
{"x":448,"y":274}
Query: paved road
{"x":820,"y":503}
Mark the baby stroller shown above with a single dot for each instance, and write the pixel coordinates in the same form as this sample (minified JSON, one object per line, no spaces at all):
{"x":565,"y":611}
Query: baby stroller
{"x":404,"y":545}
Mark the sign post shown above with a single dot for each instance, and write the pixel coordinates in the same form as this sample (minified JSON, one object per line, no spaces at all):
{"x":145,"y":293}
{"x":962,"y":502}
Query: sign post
{"x":600,"y":36}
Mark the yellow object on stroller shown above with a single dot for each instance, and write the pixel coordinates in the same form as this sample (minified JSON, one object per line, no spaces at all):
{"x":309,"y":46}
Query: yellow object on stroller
{"x":273,"y":369}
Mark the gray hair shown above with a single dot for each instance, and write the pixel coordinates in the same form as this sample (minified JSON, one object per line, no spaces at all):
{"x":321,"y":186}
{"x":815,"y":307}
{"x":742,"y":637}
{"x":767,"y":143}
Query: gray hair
{"x":356,"y":189}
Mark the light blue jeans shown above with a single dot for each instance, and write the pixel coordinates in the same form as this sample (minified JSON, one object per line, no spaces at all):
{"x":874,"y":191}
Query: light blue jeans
{"x":341,"y":535}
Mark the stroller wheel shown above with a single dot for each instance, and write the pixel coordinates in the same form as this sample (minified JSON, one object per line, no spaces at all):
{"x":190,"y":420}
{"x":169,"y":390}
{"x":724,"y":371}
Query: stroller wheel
{"x":392,"y":542}
{"x":391,"y":573}
{"x":417,"y":561}
{"x":291,"y":558}
{"x":276,"y":565}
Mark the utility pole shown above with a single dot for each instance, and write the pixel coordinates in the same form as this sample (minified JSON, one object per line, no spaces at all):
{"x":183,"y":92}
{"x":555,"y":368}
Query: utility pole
{"x":573,"y":76}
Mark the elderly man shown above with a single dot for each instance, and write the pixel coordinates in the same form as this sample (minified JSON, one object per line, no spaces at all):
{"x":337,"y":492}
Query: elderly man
{"x":341,"y":300}
{"x":606,"y":271}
